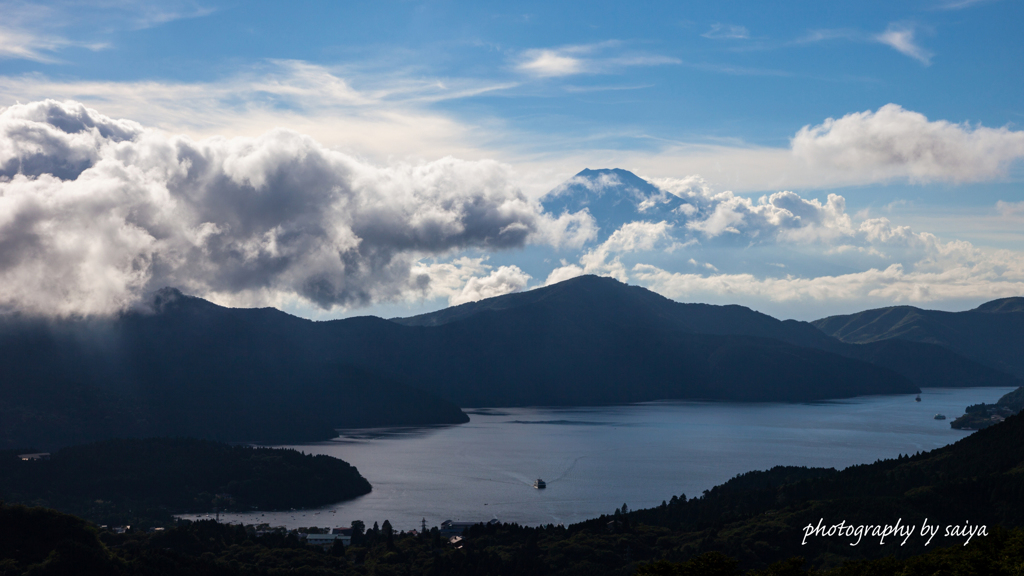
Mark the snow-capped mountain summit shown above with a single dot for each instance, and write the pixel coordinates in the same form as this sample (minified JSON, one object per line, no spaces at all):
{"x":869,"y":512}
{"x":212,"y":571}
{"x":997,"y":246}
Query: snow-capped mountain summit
{"x":614,"y":197}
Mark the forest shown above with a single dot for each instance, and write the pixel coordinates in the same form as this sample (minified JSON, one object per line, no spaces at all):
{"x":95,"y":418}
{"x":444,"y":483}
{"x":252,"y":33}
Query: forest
{"x":143,"y":482}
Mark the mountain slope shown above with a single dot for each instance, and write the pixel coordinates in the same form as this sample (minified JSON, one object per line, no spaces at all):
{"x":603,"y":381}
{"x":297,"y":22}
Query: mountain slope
{"x":977,"y":479}
{"x":992,"y":334}
{"x":926,"y":365}
{"x":191,"y":368}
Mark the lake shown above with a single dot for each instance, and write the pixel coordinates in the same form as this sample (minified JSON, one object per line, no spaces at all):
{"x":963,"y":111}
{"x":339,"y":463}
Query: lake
{"x":597,"y":459}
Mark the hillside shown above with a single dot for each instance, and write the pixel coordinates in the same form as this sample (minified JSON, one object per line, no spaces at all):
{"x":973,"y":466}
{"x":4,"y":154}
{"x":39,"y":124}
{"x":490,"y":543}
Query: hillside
{"x":187,"y":367}
{"x":992,"y":334}
{"x":758,"y":517}
{"x":191,"y":368}
{"x":616,"y":304}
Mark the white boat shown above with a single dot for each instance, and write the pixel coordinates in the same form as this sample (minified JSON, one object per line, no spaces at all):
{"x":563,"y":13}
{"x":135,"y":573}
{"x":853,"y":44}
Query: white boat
{"x":539,"y":484}
{"x":940,"y":416}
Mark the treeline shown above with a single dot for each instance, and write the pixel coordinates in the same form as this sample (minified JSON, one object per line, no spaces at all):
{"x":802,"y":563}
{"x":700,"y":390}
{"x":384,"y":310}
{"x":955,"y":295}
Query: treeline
{"x":130,"y":481}
{"x":758,"y":517}
{"x":37,"y":541}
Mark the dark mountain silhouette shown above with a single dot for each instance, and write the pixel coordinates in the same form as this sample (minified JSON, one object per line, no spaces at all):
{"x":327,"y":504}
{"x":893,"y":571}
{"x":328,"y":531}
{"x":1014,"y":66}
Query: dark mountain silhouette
{"x":191,"y":368}
{"x":992,"y":334}
{"x":925,"y":364}
{"x":188,"y":367}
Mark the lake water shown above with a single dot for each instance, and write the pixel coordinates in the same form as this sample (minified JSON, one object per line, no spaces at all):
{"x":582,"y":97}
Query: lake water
{"x":596,"y":459}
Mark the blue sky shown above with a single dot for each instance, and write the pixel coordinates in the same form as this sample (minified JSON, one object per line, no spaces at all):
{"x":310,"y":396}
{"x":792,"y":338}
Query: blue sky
{"x":668,"y":90}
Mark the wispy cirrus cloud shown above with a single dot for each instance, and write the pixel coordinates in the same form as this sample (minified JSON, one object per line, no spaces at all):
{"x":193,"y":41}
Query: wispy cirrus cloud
{"x":901,"y":38}
{"x":961,"y":4}
{"x":39,"y":31}
{"x":383,"y":118}
{"x":727,"y":32}
{"x":18,"y":44}
{"x":595,"y":58}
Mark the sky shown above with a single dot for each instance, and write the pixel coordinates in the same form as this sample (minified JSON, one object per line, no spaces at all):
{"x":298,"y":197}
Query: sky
{"x":335,"y":159}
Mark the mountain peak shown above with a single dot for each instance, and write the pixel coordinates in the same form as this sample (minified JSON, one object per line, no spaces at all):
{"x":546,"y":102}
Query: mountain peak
{"x":614,"y":197}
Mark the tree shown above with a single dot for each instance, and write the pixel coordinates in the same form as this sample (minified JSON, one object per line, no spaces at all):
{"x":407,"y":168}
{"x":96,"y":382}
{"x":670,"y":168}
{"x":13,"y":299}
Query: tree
{"x":358,"y":529}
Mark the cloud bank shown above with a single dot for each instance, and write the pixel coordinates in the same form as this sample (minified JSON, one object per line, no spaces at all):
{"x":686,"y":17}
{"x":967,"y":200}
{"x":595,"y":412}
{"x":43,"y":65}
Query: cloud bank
{"x":95,"y":212}
{"x":719,"y":233}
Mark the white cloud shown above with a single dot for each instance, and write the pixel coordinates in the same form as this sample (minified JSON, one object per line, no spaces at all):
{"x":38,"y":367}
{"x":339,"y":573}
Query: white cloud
{"x":382,"y":122}
{"x":1010,"y":208}
{"x":890,"y":263}
{"x":723,"y":31}
{"x":631,"y":237}
{"x":18,"y":44}
{"x":961,"y":4}
{"x":562,"y":273}
{"x":999,"y":275}
{"x":387,"y":119}
{"x":504,"y":280}
{"x":901,"y":38}
{"x":583,"y":59}
{"x":894,"y":143}
{"x":94,"y":212}
{"x":39,"y":31}
{"x":546,"y":63}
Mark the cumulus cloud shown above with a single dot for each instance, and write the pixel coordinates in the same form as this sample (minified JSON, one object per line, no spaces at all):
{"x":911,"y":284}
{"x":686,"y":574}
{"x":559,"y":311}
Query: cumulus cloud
{"x":504,"y":280}
{"x":562,"y":273}
{"x":95,"y":212}
{"x":897,"y":143}
{"x":891,"y":263}
{"x":632,"y":237}
{"x":466,"y":279}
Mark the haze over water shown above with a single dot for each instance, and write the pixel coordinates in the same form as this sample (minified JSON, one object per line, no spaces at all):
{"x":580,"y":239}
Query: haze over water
{"x":594,"y":459}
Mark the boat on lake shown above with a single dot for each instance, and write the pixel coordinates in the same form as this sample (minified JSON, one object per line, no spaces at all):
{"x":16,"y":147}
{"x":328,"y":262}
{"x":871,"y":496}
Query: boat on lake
{"x":539,"y":484}
{"x":918,"y":399}
{"x":940,"y":416}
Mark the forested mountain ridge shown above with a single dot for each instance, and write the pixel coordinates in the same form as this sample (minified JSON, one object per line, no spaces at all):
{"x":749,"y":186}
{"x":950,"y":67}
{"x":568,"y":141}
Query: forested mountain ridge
{"x":187,"y":367}
{"x":992,"y":334}
{"x":617,"y":305}
{"x":191,"y":368}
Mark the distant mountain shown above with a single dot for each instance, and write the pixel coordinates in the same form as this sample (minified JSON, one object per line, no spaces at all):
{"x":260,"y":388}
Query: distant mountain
{"x":188,"y":367}
{"x":191,"y":368}
{"x":992,"y":334}
{"x":613,"y":197}
{"x":924,"y":364}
